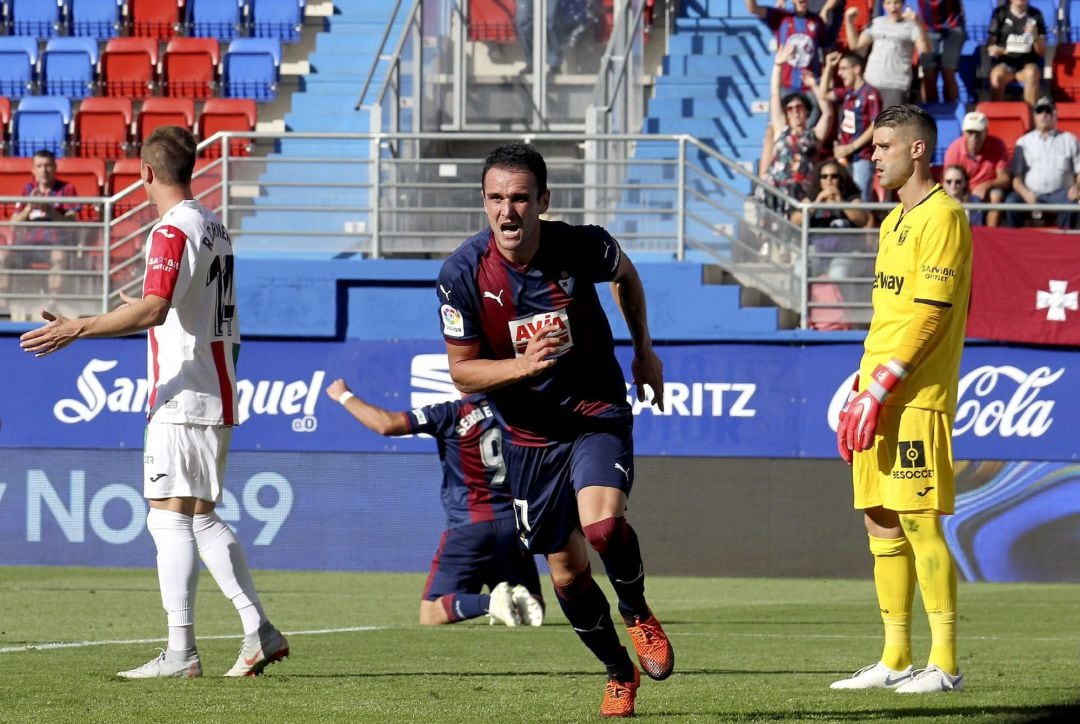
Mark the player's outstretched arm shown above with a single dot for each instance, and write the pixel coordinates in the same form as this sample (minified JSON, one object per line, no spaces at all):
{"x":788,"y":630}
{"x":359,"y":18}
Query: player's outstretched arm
{"x":370,"y":416}
{"x":646,"y":367}
{"x":135,"y":315}
{"x":472,"y":373}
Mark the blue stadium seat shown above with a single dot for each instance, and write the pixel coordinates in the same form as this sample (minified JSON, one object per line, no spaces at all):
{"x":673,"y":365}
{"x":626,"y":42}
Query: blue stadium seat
{"x":35,"y":18}
{"x":18,"y":58}
{"x":250,"y":69}
{"x":67,"y":67}
{"x":1072,"y":20}
{"x":40,"y":122}
{"x":281,"y":19}
{"x":948,"y":117}
{"x":94,"y":18}
{"x":221,"y":19}
{"x":977,"y":19}
{"x":1051,"y":9}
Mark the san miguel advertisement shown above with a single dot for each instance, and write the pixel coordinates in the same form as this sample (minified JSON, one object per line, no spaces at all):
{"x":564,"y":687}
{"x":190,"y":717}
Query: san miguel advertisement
{"x":731,"y":400}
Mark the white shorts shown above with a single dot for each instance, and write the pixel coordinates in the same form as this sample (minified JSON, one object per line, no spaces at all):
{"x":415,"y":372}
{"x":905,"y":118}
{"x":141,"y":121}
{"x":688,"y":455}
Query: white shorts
{"x":185,"y":461}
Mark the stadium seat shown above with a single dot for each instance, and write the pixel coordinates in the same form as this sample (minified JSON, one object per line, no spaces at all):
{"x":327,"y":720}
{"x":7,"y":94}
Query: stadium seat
{"x":94,"y":18}
{"x":34,"y":18}
{"x":158,"y":19}
{"x":189,"y":67}
{"x":1053,"y":15}
{"x":1066,"y":71}
{"x":492,"y":21}
{"x":206,"y":183}
{"x":164,"y":112}
{"x":15,"y":173}
{"x":227,"y":114}
{"x":67,"y":67}
{"x":40,"y":122}
{"x":128,"y":67}
{"x":281,"y":19}
{"x":125,"y":172}
{"x":977,"y":19}
{"x":103,"y":127}
{"x":1068,"y":118}
{"x":948,"y":125}
{"x":1008,"y":120}
{"x":18,"y":58}
{"x":250,"y":69}
{"x":87,"y":175}
{"x":221,"y":19}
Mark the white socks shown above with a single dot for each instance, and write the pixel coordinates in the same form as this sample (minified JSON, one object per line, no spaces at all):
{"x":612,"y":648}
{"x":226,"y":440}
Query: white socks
{"x":178,"y":573}
{"x":225,"y":559}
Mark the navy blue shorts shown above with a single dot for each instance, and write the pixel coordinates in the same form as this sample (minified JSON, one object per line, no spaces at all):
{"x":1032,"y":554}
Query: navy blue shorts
{"x":545,"y":482}
{"x":472,"y":556}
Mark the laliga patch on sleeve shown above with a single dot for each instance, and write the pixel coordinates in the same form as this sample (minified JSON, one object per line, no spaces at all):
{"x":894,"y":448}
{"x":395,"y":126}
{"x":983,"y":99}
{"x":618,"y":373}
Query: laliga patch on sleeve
{"x":452,"y":323}
{"x":421,"y":418}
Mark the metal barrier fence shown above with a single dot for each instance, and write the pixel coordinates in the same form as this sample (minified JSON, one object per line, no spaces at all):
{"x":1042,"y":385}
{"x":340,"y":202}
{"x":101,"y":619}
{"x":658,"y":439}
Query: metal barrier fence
{"x":418,"y":195}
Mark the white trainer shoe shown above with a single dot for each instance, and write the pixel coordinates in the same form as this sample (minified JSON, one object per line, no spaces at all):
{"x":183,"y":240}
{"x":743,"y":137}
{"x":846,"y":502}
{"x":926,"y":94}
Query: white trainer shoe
{"x":528,"y":608}
{"x":259,"y":650}
{"x":932,"y":680}
{"x":875,"y":676}
{"x":502,"y":607}
{"x":163,"y":667}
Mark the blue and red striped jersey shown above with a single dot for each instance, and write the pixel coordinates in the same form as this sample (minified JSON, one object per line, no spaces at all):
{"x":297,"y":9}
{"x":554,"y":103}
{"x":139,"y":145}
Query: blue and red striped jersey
{"x":474,"y":487}
{"x":805,"y":34}
{"x":487,"y":299}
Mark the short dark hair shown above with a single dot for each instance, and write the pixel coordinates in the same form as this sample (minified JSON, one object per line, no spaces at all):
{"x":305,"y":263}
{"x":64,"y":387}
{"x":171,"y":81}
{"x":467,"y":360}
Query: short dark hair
{"x":520,"y":156}
{"x":959,"y":169}
{"x":907,"y":115}
{"x":795,"y":96}
{"x":45,"y":153}
{"x":854,"y":59}
{"x":170,"y":151}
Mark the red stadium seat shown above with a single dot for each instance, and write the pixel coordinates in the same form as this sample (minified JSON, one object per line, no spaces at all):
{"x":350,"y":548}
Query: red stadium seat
{"x":206,"y":183}
{"x":129,"y":67}
{"x":15,"y":173}
{"x":157,"y":19}
{"x":1067,"y":71}
{"x":103,"y":127}
{"x":1068,"y":118}
{"x":1008,"y":120}
{"x":227,"y":114}
{"x":164,"y":112}
{"x":492,"y":21}
{"x":190,"y":67}
{"x":124,"y":173}
{"x":87,"y":175}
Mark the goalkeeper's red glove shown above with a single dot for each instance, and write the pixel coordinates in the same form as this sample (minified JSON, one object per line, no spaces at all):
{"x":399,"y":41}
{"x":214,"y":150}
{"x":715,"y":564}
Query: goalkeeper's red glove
{"x":841,"y":426}
{"x":864,"y":409}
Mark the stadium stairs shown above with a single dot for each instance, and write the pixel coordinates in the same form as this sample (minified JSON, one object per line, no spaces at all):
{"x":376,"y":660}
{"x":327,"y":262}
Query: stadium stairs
{"x":324,"y":102}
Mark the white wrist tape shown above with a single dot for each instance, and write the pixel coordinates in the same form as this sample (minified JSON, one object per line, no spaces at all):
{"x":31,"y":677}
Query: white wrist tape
{"x":345,"y":397}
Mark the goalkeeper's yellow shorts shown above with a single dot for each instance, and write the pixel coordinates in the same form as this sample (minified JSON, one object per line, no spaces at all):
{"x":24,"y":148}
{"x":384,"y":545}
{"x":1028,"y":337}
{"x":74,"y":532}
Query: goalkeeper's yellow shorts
{"x":910,"y":466}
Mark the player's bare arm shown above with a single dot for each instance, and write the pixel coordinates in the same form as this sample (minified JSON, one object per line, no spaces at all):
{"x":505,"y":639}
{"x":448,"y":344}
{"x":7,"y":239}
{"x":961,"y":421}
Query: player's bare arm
{"x":646,"y":367}
{"x":373,"y":417}
{"x":472,"y":373}
{"x":133,"y":316}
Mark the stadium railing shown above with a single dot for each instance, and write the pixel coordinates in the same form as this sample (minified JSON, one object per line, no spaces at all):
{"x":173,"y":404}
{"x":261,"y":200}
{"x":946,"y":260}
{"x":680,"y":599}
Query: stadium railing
{"x":415,"y":196}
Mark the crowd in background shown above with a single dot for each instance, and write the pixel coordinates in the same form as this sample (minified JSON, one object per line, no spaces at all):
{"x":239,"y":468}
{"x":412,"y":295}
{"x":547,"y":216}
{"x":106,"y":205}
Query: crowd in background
{"x":834,"y":72}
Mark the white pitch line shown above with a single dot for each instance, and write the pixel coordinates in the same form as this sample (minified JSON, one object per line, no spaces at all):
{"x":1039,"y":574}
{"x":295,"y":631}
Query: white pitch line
{"x":84,"y":644}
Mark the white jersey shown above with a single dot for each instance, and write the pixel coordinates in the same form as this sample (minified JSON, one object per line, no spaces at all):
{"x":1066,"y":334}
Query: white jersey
{"x":192,"y":356}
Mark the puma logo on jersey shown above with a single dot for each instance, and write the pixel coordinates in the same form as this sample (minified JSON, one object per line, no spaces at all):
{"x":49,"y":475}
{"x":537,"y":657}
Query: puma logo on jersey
{"x":624,"y":471}
{"x":167,"y":234}
{"x":445,"y":291}
{"x":496,"y":297}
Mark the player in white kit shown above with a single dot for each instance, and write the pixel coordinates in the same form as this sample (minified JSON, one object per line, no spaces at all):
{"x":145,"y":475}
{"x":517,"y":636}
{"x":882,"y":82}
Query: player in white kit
{"x":189,"y":309}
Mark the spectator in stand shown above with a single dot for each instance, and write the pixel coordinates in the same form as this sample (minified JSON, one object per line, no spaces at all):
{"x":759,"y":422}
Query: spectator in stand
{"x":985,"y":161}
{"x":859,"y":105}
{"x":1016,"y":44}
{"x":1045,"y":166}
{"x":44,"y":184}
{"x":833,"y":184}
{"x":800,"y":36}
{"x":944,"y":20}
{"x":894,"y":36}
{"x":791,"y":146}
{"x":955,"y":180}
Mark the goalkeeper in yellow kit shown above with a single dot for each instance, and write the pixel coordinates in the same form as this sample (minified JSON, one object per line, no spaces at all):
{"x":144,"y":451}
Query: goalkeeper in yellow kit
{"x":896,"y":429}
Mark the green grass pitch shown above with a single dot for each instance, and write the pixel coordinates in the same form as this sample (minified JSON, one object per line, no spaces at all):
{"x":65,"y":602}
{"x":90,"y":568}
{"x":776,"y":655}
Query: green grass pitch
{"x":747,"y":650}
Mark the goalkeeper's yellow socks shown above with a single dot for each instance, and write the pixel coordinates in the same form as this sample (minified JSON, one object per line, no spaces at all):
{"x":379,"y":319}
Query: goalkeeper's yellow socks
{"x":937,"y":581}
{"x":894,"y":580}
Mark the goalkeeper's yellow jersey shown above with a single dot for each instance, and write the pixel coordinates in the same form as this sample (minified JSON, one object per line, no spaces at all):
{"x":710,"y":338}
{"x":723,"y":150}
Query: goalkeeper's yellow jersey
{"x":924,"y":254}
